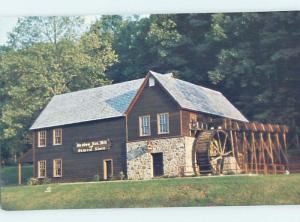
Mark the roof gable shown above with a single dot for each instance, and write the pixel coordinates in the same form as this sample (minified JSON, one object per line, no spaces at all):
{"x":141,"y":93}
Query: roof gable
{"x":198,"y":98}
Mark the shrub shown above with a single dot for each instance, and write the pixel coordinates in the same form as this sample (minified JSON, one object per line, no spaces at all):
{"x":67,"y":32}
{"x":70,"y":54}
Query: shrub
{"x":46,"y":180}
{"x":122,"y":175}
{"x":96,"y":177}
{"x":33,"y":181}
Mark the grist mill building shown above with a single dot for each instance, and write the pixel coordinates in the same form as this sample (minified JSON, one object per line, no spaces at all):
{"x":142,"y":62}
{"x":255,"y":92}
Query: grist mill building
{"x":139,"y":129}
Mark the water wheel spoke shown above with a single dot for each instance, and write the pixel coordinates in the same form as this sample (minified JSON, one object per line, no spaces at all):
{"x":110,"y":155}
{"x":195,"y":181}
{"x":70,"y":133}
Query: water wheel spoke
{"x":229,"y":152}
{"x":224,"y":143}
{"x":217,"y":146}
{"x":215,"y":158}
{"x":219,"y":139}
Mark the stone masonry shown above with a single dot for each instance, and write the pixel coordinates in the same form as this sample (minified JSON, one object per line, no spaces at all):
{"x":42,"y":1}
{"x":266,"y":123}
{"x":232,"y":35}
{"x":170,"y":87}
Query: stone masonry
{"x":177,"y":157}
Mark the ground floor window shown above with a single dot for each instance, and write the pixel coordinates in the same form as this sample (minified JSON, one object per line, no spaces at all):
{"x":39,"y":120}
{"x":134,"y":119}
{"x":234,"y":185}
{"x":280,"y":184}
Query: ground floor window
{"x":57,"y":168}
{"x":42,"y":168}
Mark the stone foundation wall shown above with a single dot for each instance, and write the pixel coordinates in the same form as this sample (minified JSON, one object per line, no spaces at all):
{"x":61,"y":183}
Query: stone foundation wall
{"x":177,"y":157}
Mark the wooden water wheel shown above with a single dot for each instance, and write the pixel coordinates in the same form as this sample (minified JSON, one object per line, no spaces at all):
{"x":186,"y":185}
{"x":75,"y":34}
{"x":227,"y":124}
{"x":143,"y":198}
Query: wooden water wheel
{"x":211,"y":148}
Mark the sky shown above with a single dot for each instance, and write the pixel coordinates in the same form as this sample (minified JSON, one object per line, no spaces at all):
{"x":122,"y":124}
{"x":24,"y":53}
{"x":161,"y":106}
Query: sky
{"x":8,"y":23}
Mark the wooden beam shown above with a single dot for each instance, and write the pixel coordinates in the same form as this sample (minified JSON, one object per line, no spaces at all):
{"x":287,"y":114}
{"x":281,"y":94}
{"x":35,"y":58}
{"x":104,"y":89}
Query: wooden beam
{"x":270,"y":144}
{"x":254,"y":157}
{"x":236,"y":144}
{"x":284,"y":142}
{"x":262,"y":150}
{"x":231,"y":141}
{"x":181,"y":124}
{"x":33,"y":153}
{"x":19,"y":172}
{"x":245,"y":151}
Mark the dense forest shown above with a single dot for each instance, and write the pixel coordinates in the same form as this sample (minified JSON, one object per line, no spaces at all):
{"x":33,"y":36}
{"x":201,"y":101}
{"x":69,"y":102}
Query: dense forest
{"x":252,"y":58}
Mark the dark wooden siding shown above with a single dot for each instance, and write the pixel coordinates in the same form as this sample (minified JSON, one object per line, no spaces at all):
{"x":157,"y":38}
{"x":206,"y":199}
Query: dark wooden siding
{"x":186,"y":118}
{"x":84,"y":166}
{"x":185,"y":122}
{"x":153,"y":100}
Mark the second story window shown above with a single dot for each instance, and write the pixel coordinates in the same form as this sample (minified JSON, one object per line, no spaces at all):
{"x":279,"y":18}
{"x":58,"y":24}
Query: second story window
{"x":57,"y":136}
{"x":42,"y":138}
{"x":144,"y":125}
{"x":163,"y":123}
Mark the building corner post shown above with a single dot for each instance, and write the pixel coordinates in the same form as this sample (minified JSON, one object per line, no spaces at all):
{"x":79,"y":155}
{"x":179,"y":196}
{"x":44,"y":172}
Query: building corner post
{"x":19,"y":172}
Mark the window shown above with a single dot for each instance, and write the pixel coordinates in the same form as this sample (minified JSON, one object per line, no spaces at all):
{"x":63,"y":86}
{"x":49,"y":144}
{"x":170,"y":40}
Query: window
{"x":163,"y":123}
{"x":57,"y":168}
{"x":151,"y":81}
{"x":42,"y":169}
{"x":144,"y":122}
{"x":57,"y":136}
{"x":42,"y":138}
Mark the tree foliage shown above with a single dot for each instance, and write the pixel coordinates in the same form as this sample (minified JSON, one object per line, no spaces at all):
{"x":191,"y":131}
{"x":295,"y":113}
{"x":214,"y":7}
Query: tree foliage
{"x":33,"y":29}
{"x":31,"y":72}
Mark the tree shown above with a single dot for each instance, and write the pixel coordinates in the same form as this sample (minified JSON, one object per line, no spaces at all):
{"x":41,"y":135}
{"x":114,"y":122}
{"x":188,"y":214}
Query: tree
{"x":32,"y":73}
{"x":34,"y":29}
{"x":257,"y":65}
{"x":141,"y":43}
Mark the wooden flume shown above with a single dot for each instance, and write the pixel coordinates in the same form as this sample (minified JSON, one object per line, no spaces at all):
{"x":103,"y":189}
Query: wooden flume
{"x":257,"y":147}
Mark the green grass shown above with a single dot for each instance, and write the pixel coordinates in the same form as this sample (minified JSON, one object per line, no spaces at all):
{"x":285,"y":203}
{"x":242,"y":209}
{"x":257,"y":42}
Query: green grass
{"x":180,"y":192}
{"x":9,"y":174}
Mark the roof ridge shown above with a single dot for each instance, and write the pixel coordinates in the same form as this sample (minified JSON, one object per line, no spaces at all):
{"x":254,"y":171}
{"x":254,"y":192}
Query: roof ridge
{"x":94,"y":88}
{"x":170,"y":74}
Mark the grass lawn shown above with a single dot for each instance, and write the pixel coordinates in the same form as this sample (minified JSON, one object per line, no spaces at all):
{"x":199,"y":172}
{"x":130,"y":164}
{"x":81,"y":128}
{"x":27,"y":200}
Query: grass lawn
{"x":180,"y":192}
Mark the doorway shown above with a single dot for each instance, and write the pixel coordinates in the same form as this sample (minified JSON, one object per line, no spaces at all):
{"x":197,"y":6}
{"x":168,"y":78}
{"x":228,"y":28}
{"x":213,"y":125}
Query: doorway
{"x":158,"y":164}
{"x":107,"y":169}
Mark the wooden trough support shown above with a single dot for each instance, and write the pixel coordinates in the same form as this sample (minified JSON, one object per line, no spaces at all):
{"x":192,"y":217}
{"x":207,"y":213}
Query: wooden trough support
{"x":258,"y":147}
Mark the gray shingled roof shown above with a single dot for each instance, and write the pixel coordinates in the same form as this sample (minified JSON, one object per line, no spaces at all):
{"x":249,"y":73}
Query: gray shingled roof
{"x":113,"y":100}
{"x":86,"y":105}
{"x":198,"y":98}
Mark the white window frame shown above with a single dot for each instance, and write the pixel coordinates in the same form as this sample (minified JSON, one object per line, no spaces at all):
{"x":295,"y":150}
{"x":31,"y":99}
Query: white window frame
{"x":54,"y":136}
{"x":141,"y":126}
{"x":55,"y":168}
{"x":39,"y":138}
{"x":39,"y":169}
{"x":159,"y":123}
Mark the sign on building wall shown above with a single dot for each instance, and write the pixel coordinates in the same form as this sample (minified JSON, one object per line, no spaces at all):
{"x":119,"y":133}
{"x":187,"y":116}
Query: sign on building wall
{"x":92,"y":146}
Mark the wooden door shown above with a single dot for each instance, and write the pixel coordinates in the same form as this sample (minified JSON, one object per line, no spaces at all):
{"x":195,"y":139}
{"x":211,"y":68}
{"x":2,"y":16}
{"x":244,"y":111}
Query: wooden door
{"x":108,"y":169}
{"x":158,"y":164}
